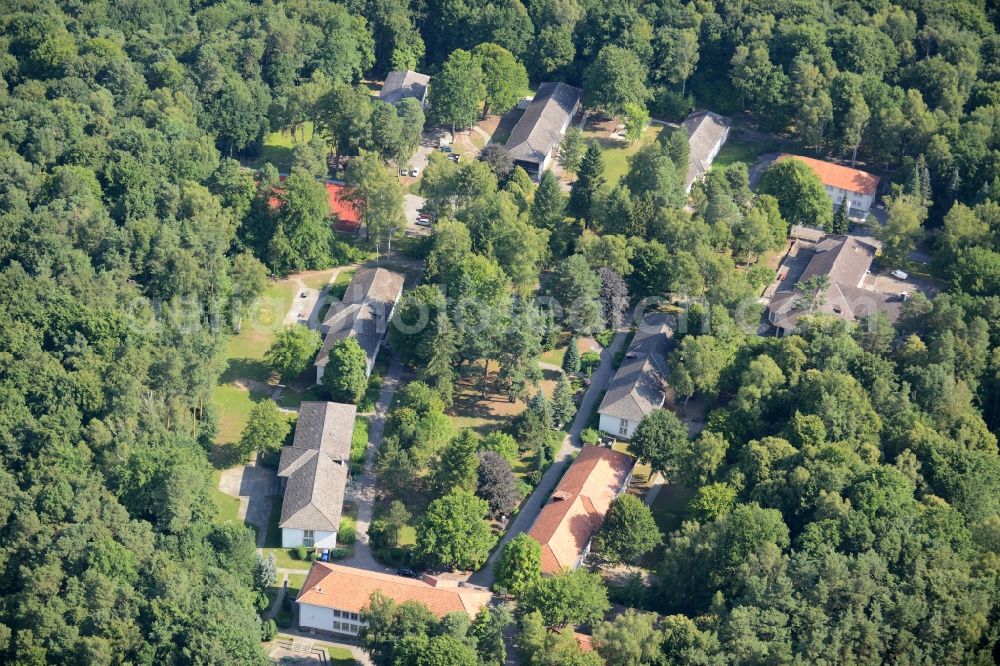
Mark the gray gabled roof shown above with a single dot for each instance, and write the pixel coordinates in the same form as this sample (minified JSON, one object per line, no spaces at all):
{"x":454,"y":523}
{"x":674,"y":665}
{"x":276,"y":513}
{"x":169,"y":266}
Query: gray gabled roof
{"x":640,"y":385}
{"x":364,"y":312}
{"x":844,"y":260}
{"x":540,"y":127}
{"x":705,"y":132}
{"x":400,"y":85}
{"x":314,"y":496}
{"x":322,"y":427}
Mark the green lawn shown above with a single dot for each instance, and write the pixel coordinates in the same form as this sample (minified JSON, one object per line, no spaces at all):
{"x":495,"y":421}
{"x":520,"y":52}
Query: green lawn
{"x":616,"y":153}
{"x":740,"y":150}
{"x":340,"y":283}
{"x":670,"y":508}
{"x":234,"y":405}
{"x":277,"y":148}
{"x":228,"y":507}
{"x":291,"y":397}
{"x":338,"y":656}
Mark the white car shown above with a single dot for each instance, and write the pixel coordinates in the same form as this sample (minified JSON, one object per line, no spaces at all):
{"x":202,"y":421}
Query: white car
{"x":413,"y":173}
{"x":423,"y":222}
{"x":899,"y":275}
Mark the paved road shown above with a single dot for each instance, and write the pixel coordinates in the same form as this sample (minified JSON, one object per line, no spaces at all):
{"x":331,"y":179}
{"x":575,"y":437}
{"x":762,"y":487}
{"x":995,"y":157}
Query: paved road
{"x":526,"y":517}
{"x":363,"y":488}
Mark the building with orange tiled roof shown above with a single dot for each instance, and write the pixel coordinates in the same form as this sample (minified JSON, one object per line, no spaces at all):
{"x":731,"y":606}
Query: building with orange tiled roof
{"x":568,"y":522}
{"x":333,"y":596}
{"x":840,"y":181}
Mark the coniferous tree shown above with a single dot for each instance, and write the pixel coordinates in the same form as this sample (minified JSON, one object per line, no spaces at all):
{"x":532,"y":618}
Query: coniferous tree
{"x":589,"y":181}
{"x":841,"y":221}
{"x":563,"y":407}
{"x":571,"y":359}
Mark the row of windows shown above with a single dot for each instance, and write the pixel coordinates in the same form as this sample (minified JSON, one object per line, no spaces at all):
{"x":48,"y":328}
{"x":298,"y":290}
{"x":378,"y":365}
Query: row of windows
{"x":346,"y":615}
{"x":345,"y":626}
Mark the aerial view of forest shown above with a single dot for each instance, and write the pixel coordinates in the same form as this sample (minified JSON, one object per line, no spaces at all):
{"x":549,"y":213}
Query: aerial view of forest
{"x":468,"y":332}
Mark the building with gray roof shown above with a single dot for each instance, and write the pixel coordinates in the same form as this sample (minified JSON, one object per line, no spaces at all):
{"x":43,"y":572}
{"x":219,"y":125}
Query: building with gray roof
{"x":314,"y":472}
{"x":535,"y":137}
{"x":400,"y":85}
{"x":364,"y":314}
{"x":640,"y":385}
{"x":707,"y":132}
{"x":844,"y":261}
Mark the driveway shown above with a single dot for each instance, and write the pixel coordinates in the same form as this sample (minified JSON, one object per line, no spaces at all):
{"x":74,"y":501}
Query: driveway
{"x":255,"y":486}
{"x":363,"y":490}
{"x":411,"y":208}
{"x":759,"y":167}
{"x":533,"y":506}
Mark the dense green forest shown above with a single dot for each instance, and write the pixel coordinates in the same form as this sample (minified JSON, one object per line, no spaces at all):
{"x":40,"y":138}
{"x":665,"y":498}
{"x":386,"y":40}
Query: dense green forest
{"x":847,"y":488}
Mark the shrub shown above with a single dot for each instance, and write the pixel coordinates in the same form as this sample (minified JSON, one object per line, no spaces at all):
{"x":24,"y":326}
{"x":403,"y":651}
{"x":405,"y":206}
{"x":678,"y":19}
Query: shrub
{"x":346,"y":534}
{"x":339,"y":553}
{"x":536,"y":477}
{"x":262,"y":601}
{"x":300,"y":553}
{"x":604,"y":337}
{"x":268,"y":630}
{"x":590,"y":436}
{"x":589,"y":362}
{"x":523,"y":488}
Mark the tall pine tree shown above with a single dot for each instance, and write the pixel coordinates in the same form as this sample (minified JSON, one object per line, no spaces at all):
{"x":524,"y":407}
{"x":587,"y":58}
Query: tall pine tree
{"x":841,"y":221}
{"x":571,"y":360}
{"x":590,"y":179}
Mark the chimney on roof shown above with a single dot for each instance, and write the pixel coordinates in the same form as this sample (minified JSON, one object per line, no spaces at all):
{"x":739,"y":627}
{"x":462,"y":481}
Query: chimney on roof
{"x":561,"y":495}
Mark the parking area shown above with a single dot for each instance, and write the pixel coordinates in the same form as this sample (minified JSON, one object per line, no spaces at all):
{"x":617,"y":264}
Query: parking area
{"x":884,"y":283}
{"x":412,"y":205}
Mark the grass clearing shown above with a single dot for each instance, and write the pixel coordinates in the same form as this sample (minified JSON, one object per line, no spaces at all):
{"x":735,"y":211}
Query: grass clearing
{"x":616,"y":153}
{"x":277,"y":148}
{"x":670,"y":508}
{"x":742,"y":150}
{"x":234,"y":404}
{"x":227,"y":507}
{"x":359,"y":440}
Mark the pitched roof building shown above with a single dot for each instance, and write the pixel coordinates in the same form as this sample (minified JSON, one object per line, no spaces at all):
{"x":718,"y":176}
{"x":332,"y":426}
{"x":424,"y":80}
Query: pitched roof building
{"x":539,"y":130}
{"x":707,"y":132}
{"x":841,"y":182}
{"x":402,"y":84}
{"x":364,"y":314}
{"x":314,"y":474}
{"x":574,"y":513}
{"x":639,"y":386}
{"x":333,"y":596}
{"x":845,"y":261}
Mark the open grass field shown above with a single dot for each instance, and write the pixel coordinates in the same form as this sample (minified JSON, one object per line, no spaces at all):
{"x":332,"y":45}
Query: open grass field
{"x":234,"y":404}
{"x":616,"y":153}
{"x":277,"y":148}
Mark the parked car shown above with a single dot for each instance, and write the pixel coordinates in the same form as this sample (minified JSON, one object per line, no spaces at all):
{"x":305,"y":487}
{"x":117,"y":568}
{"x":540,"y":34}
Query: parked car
{"x":413,"y":173}
{"x":403,"y":171}
{"x":406,"y":573}
{"x":454,"y":157}
{"x":445,"y":148}
{"x":899,"y":275}
{"x":423,"y":222}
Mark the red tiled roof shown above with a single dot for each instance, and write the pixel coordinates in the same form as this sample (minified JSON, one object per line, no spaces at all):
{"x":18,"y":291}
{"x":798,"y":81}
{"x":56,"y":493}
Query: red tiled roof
{"x":350,"y":589}
{"x":834,"y":175}
{"x":576,"y":509}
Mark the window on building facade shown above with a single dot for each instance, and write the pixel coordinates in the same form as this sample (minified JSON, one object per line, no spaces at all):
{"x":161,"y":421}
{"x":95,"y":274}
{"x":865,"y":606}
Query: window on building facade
{"x":308,"y":538}
{"x":623,"y":427}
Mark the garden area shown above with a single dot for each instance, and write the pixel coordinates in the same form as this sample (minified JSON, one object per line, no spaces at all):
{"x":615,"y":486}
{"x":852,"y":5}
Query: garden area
{"x":615,"y":151}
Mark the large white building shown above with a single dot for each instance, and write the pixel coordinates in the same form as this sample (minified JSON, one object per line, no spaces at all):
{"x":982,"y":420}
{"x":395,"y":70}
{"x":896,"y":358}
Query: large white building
{"x":333,"y":596}
{"x":534,"y":139}
{"x":640,"y":385}
{"x":363,"y":314}
{"x":707,"y":133}
{"x":314,"y":471}
{"x":840,"y":182}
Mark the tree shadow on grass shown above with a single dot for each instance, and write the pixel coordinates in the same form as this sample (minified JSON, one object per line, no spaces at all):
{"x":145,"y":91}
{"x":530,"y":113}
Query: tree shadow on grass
{"x":224,"y":456}
{"x":245,"y":368}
